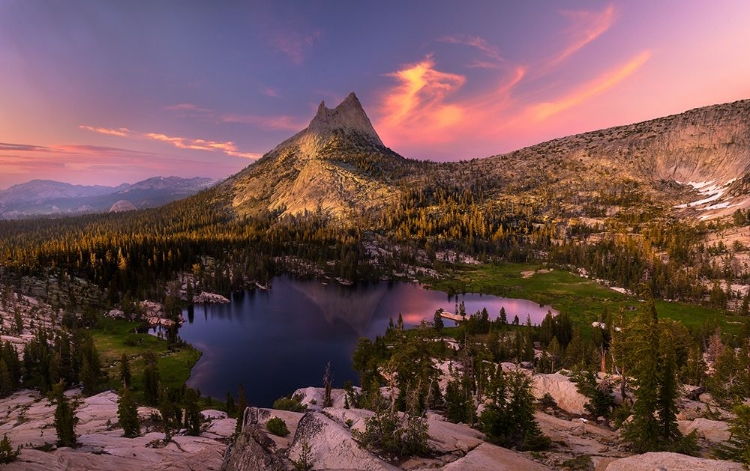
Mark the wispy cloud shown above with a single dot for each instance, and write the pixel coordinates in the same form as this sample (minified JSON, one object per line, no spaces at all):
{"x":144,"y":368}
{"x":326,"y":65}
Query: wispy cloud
{"x":187,"y":107}
{"x":121,"y":132}
{"x":585,"y":27}
{"x":266,"y":122}
{"x":4,"y":146}
{"x":277,"y":122}
{"x":226,"y":147}
{"x":113,"y":165}
{"x":295,"y":45}
{"x":490,"y":51}
{"x":608,"y":80}
{"x":272,"y":92}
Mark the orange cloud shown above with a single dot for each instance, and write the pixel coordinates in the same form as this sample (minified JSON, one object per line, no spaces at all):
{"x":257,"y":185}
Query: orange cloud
{"x":543,"y":111}
{"x":121,"y":132}
{"x":586,"y":26}
{"x":419,"y":96}
{"x":423,"y":106}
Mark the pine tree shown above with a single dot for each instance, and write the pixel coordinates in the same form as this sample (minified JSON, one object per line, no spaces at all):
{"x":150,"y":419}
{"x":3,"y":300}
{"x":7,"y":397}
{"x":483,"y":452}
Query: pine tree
{"x":241,"y":406}
{"x":127,"y":413}
{"x":231,"y":408}
{"x":649,"y":352}
{"x":125,"y":375}
{"x":90,"y":364}
{"x":65,"y":419}
{"x":167,"y":411}
{"x":7,"y":454}
{"x":192,"y":412}
{"x":6,"y":382}
{"x":737,"y":448}
{"x":151,"y":379}
{"x":327,"y":400}
{"x":438,"y":320}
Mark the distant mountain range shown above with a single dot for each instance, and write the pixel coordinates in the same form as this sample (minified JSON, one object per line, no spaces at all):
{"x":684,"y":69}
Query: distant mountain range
{"x":48,"y":197}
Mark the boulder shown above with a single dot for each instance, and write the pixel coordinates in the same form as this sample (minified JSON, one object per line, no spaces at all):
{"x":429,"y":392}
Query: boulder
{"x":562,"y":390}
{"x":670,"y":462}
{"x":488,"y":457}
{"x":331,"y":446}
{"x":713,"y":431}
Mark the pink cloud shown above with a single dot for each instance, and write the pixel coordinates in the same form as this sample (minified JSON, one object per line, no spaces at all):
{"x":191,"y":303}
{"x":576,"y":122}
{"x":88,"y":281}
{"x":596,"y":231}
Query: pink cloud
{"x":423,"y":106}
{"x":266,"y":122}
{"x":186,"y":107}
{"x":589,"y":90}
{"x":486,"y":48}
{"x":226,"y":147}
{"x":76,"y":163}
{"x":585,"y":27}
{"x":272,"y":92}
{"x":121,"y":132}
{"x":295,"y":45}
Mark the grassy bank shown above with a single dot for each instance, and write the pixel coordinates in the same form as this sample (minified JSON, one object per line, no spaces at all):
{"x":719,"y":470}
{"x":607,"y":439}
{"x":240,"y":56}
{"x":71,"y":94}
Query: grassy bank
{"x":115,"y":337}
{"x":583,"y":299}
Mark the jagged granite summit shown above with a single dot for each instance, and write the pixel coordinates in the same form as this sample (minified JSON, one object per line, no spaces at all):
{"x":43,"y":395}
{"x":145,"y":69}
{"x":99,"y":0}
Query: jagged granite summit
{"x":348,"y":116}
{"x":337,"y":165}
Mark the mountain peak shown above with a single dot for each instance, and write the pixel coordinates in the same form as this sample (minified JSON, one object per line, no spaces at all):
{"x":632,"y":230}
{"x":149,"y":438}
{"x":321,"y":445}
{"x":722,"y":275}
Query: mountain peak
{"x":349,"y":116}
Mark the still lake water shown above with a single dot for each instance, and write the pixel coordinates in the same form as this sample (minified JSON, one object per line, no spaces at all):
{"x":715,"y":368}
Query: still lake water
{"x":276,"y":341}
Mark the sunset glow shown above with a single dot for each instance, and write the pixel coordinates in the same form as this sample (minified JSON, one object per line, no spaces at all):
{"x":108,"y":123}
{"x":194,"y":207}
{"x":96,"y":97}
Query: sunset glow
{"x":106,"y":93}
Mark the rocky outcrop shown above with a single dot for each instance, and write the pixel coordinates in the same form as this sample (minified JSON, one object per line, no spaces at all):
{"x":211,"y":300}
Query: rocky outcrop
{"x":331,"y":446}
{"x":488,"y":457}
{"x":563,"y":391}
{"x":348,"y":116}
{"x":670,"y":462}
{"x":28,"y":421}
{"x":122,"y":206}
{"x":252,"y":451}
{"x":713,"y":431}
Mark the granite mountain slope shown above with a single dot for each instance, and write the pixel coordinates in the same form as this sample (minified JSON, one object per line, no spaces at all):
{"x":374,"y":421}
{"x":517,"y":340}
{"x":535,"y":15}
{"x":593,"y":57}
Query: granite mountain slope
{"x":695,"y":164}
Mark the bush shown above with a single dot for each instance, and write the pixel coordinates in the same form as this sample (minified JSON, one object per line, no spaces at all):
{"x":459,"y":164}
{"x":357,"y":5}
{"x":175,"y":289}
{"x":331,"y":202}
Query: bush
{"x":277,"y":427}
{"x":7,"y":454}
{"x":291,"y":404}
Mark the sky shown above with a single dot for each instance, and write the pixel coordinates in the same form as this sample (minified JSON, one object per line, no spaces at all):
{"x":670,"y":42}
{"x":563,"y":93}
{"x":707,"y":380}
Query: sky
{"x":110,"y":92}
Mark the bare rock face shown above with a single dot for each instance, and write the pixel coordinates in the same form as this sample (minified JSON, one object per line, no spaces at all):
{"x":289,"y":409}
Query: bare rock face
{"x":122,"y":206}
{"x":348,"y":116}
{"x":488,"y":457}
{"x":671,"y":462}
{"x":252,"y":451}
{"x":331,"y":446}
{"x":337,"y":165}
{"x":563,"y":391}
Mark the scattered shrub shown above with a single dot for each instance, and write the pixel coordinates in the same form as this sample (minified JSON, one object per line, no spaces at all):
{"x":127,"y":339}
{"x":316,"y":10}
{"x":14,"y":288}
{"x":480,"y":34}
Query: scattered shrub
{"x":277,"y":427}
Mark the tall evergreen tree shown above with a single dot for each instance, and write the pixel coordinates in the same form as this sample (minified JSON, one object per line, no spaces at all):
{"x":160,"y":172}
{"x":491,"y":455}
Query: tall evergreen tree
{"x":648,"y":351}
{"x":192,"y":412}
{"x":151,"y":379}
{"x":127,"y":413}
{"x":65,"y":419}
{"x":125,"y":375}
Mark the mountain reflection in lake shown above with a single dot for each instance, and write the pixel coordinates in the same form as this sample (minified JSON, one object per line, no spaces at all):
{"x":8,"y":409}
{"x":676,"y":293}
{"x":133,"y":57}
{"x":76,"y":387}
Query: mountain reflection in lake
{"x":279,"y":340}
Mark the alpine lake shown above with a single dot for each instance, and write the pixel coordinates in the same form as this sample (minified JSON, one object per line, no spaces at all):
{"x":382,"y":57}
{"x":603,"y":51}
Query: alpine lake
{"x":278,"y":340}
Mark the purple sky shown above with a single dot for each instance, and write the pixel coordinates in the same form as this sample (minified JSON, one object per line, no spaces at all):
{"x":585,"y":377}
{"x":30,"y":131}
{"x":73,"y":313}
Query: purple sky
{"x":108,"y":92}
